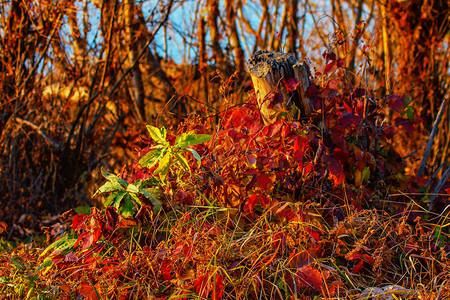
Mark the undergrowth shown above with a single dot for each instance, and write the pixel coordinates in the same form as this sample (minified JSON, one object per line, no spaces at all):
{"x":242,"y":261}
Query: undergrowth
{"x":304,"y":208}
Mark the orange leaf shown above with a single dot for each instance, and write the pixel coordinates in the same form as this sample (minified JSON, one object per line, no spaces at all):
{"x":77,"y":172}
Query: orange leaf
{"x":358,"y":266}
{"x":3,"y":226}
{"x":330,"y":67}
{"x":310,"y":277}
{"x":65,"y":288}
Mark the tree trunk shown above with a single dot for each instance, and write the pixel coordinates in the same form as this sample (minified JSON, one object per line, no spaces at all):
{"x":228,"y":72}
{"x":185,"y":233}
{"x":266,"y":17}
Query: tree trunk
{"x":234,"y":36}
{"x":132,"y":55}
{"x":213,"y":15}
{"x":292,"y":26}
{"x":270,"y":70}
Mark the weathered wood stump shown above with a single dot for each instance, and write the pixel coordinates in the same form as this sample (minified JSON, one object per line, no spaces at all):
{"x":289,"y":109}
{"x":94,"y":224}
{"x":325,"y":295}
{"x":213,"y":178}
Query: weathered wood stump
{"x":269,"y":71}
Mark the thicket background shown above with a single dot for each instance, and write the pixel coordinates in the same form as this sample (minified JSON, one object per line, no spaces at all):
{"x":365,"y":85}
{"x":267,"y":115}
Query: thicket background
{"x":80,"y":79}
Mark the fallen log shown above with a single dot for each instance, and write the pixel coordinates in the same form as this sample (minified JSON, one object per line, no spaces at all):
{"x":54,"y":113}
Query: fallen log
{"x":270,"y":71}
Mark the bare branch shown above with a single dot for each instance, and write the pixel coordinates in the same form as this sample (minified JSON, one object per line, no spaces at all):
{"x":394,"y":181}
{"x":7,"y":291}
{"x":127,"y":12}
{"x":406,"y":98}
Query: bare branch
{"x":40,"y":131}
{"x":431,"y":139}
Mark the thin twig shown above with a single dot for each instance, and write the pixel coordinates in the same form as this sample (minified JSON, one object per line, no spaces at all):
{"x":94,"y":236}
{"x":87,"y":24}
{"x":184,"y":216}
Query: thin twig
{"x":438,"y":187}
{"x":431,"y":139}
{"x":40,"y":131}
{"x":150,"y":39}
{"x":49,"y":39}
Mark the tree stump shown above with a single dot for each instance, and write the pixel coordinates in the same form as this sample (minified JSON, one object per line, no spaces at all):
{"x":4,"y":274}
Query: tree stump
{"x":270,"y":70}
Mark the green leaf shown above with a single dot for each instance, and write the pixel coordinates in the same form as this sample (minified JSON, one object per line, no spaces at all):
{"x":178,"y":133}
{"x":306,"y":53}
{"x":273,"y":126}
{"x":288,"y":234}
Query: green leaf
{"x":109,"y":199}
{"x":410,"y":113}
{"x":62,"y":244}
{"x":196,"y":156}
{"x":119,"y":198}
{"x":114,"y":178}
{"x":136,"y":199}
{"x":365,"y":175}
{"x":189,"y":139}
{"x":151,"y":158}
{"x":5,"y":279}
{"x":146,"y":194}
{"x":128,"y":208}
{"x":17,"y":264}
{"x":164,"y":165}
{"x":45,"y":264}
{"x":131,"y":188}
{"x":194,"y":153}
{"x":83,"y":210}
{"x":163,"y":132}
{"x":159,"y":136}
{"x":155,"y":202}
{"x":183,"y":161}
{"x":109,"y":186}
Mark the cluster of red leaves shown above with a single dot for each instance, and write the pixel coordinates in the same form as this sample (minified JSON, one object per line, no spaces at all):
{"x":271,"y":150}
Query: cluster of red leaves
{"x":292,"y":202}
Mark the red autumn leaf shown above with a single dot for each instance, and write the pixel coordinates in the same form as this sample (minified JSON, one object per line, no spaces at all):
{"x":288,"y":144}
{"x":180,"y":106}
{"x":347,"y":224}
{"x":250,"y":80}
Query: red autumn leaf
{"x":447,"y":191}
{"x":70,"y":257}
{"x":66,"y":288}
{"x":307,"y":169}
{"x":201,"y":287}
{"x":291,"y":84}
{"x":353,"y":256}
{"x":253,"y":200}
{"x":166,"y":269}
{"x":67,"y":215}
{"x":56,"y":259}
{"x":300,"y":259}
{"x":273,"y":129}
{"x":396,"y":102}
{"x":341,"y":155}
{"x":286,"y":131}
{"x":310,"y":277}
{"x":329,"y":55}
{"x":287,"y":213}
{"x":314,"y":234}
{"x":300,"y":145}
{"x":125,"y":223}
{"x":349,"y":119}
{"x":359,"y":92}
{"x":336,"y":170}
{"x":333,"y":84}
{"x":264,"y":181}
{"x":111,"y":218}
{"x":88,"y":291}
{"x":264,"y":201}
{"x":405,"y":123}
{"x":218,"y":288}
{"x":87,"y":241}
{"x":273,"y":99}
{"x":251,"y":159}
{"x":78,"y":221}
{"x":188,"y":250}
{"x":358,"y":266}
{"x":330,"y":67}
{"x":298,"y":154}
{"x":369,"y":259}
{"x":312,"y":91}
{"x":347,"y":106}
